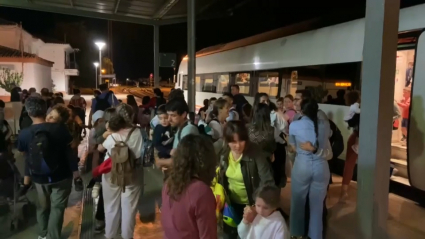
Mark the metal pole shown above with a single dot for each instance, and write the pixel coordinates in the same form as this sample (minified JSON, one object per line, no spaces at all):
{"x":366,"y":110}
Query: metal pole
{"x":156,"y":55}
{"x":100,"y":66}
{"x":191,"y":52}
{"x":96,"y":76}
{"x":379,"y":58}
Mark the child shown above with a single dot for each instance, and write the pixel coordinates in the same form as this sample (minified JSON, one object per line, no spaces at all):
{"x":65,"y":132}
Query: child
{"x":162,"y":136}
{"x":353,"y":116}
{"x":267,"y":221}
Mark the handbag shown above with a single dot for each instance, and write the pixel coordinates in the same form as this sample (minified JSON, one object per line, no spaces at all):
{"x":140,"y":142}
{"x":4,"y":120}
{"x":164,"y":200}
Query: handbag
{"x":219,"y":194}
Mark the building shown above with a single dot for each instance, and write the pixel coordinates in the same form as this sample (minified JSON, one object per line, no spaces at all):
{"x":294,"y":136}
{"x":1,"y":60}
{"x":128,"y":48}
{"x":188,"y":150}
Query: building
{"x":61,"y":55}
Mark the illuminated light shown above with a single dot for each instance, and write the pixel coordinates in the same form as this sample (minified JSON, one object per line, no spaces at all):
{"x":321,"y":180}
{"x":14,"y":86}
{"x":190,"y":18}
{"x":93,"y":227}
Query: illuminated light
{"x":103,"y":70}
{"x":343,"y":84}
{"x":185,"y":58}
{"x":96,"y":64}
{"x":100,"y":45}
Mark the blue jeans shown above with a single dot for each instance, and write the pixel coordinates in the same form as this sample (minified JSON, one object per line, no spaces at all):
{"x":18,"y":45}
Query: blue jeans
{"x":310,"y":176}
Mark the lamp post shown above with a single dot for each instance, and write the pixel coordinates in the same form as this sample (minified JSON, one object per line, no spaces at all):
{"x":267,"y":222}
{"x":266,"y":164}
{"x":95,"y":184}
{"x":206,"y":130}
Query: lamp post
{"x":100,"y":45}
{"x":96,"y":64}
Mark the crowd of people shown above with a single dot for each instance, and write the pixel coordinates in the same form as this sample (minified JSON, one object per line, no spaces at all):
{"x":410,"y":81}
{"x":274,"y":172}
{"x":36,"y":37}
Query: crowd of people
{"x":224,"y":167}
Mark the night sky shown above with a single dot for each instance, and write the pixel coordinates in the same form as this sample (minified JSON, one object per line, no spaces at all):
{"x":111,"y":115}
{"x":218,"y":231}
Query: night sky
{"x":133,"y":43}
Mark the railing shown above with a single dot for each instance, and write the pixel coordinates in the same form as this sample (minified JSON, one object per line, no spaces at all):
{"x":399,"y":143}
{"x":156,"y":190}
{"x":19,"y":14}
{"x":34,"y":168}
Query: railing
{"x":71,"y":65}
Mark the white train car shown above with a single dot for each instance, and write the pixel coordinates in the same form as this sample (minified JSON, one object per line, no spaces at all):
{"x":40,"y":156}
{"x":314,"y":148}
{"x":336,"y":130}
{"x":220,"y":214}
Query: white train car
{"x":329,"y":57}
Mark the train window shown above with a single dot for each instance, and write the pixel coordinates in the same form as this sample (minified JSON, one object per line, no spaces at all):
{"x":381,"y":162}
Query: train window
{"x":243,"y":81}
{"x":185,"y":82}
{"x":209,"y":84}
{"x":198,"y":85}
{"x":223,"y":83}
{"x":268,"y":82}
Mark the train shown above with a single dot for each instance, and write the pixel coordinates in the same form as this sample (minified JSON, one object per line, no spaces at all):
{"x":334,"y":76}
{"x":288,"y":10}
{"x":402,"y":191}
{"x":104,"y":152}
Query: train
{"x":326,"y":60}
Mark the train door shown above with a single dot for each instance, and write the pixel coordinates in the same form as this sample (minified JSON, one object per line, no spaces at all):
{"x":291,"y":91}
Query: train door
{"x":414,"y":75}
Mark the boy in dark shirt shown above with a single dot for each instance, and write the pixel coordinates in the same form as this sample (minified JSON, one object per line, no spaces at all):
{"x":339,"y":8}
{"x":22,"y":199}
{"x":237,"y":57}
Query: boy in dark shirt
{"x":162,"y":135}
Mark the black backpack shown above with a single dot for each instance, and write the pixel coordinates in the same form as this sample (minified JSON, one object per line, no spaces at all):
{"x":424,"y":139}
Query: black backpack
{"x":102,"y":103}
{"x":147,"y":150}
{"x":41,"y":160}
{"x":336,"y":140}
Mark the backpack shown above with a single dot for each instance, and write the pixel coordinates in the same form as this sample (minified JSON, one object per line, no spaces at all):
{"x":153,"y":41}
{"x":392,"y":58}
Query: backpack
{"x":123,"y":163}
{"x":336,"y":140}
{"x":40,"y":160}
{"x":102,"y":103}
{"x":25,"y":120}
{"x":147,"y":149}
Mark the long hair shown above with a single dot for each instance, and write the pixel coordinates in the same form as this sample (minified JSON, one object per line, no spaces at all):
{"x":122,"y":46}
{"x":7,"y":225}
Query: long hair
{"x":257,"y":98}
{"x":131,"y":100}
{"x":261,"y":118}
{"x":126,"y":111}
{"x":309,"y":108}
{"x":218,"y":105}
{"x":195,"y":157}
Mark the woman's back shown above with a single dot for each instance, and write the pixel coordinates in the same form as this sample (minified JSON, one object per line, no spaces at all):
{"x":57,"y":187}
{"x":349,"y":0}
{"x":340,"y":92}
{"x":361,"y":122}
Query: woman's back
{"x":302,"y":131}
{"x":187,"y":217}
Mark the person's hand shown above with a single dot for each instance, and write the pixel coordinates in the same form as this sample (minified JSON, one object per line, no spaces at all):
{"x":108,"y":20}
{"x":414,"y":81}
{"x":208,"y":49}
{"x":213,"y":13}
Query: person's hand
{"x":272,"y":158}
{"x":76,"y":174}
{"x":307,"y":146}
{"x":249,"y":214}
{"x":172,"y":152}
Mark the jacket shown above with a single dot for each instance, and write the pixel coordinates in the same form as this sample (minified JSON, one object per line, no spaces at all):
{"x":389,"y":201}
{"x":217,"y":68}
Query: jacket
{"x":256,"y":170}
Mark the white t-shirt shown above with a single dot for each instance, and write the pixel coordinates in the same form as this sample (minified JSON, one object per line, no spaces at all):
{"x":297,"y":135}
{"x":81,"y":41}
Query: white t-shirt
{"x":354,"y":109}
{"x":134,"y":142}
{"x":271,"y":227}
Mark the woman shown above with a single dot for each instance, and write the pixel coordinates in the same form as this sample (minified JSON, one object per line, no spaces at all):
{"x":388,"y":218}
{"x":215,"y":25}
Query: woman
{"x":310,"y":174}
{"x":261,"y":132}
{"x":132,"y":102}
{"x":188,"y":203}
{"x":289,"y":110}
{"x":119,"y":203}
{"x":243,"y":169}
{"x":217,"y":118}
{"x":351,"y":155}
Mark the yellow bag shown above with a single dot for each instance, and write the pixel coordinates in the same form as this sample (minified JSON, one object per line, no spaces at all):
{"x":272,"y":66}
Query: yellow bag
{"x":219,"y":194}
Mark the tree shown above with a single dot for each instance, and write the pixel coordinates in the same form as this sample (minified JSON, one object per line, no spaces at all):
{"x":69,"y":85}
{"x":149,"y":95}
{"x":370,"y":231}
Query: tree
{"x":10,"y":79}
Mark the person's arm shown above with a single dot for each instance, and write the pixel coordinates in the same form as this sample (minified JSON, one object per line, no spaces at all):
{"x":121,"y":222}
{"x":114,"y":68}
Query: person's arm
{"x":205,"y":205}
{"x":157,"y":143}
{"x":107,"y":144}
{"x":78,"y":120}
{"x":243,"y":229}
{"x":72,"y":156}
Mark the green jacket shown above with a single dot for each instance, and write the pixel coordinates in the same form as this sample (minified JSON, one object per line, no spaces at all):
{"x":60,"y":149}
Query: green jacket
{"x":256,"y":170}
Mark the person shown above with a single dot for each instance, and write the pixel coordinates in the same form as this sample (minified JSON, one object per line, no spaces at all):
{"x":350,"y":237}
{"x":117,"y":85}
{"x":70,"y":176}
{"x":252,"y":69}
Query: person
{"x":243,"y":169}
{"x":289,"y":110}
{"x":238,"y":99}
{"x":353,"y":115}
{"x":144,"y":113}
{"x":163,"y":136}
{"x":404,"y":105}
{"x":174,"y":94}
{"x":204,"y":108}
{"x":310,"y":174}
{"x":53,"y":181}
{"x":103,"y":101}
{"x":217,"y":118}
{"x":233,"y":113}
{"x":121,"y":201}
{"x":132,"y":102}
{"x":267,"y":221}
{"x":246,"y":113}
{"x":261,"y":132}
{"x":80,"y":103}
{"x":15,"y":94}
{"x":56,"y":101}
{"x":58,"y":114}
{"x":2,"y":106}
{"x":45,"y":94}
{"x":188,"y":209}
{"x":211,"y":106}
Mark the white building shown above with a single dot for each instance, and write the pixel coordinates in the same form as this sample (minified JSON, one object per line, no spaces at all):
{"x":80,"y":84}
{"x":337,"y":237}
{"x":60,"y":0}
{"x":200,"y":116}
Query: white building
{"x":61,"y":55}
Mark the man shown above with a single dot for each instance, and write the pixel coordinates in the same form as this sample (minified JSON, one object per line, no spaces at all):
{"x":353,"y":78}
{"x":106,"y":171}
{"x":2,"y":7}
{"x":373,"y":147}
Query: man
{"x":238,"y":99}
{"x":105,"y":100}
{"x":322,"y":152}
{"x":177,"y":111}
{"x":233,"y":113}
{"x":51,"y":164}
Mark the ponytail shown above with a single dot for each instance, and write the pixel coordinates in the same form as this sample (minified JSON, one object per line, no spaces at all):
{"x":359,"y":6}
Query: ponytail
{"x":310,"y":108}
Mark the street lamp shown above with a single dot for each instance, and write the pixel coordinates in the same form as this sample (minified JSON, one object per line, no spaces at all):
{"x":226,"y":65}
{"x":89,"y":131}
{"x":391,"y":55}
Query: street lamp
{"x":100,"y":45}
{"x":96,"y":64}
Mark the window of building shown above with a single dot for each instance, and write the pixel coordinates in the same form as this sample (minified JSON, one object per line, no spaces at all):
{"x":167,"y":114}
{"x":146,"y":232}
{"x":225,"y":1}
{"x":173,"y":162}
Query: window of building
{"x":243,"y":81}
{"x":185,"y":82}
{"x":198,"y":85}
{"x":223,"y":83}
{"x":268,"y":82}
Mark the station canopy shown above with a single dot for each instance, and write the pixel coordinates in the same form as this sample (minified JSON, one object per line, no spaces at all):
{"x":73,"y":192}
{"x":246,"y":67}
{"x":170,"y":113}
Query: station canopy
{"x":147,"y":12}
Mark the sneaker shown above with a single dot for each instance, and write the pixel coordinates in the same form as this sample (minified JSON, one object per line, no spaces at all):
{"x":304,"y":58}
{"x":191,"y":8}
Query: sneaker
{"x":78,"y":183}
{"x":40,"y":237}
{"x":95,"y":190}
{"x":99,"y":227}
